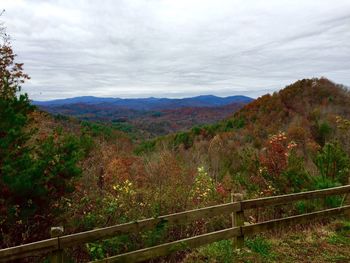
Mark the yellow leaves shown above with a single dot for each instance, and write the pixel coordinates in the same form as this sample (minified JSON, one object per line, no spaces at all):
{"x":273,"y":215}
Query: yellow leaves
{"x":203,"y":186}
{"x":342,"y":123}
{"x":124,"y":188}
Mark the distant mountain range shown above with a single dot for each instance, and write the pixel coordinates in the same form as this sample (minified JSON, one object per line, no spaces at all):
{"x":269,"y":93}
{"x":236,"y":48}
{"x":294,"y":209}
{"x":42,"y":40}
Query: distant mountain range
{"x":148,"y":104}
{"x":151,"y":116}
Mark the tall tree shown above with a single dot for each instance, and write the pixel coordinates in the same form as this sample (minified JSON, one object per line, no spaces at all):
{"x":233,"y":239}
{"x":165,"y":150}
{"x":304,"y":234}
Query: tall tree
{"x":34,"y":175}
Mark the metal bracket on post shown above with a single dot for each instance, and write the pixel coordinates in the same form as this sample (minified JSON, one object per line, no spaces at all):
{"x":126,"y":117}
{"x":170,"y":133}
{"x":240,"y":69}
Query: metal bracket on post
{"x":57,"y":255}
{"x":238,"y":221}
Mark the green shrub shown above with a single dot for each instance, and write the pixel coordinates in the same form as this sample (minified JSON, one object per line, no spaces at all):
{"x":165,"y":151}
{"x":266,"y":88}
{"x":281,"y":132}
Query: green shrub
{"x":297,"y":176}
{"x":108,"y":247}
{"x":196,"y":130}
{"x":333,"y":163}
{"x":183,"y":138}
{"x":236,"y":123}
{"x":145,"y":147}
{"x":333,"y":201}
{"x":324,"y":130}
{"x":212,"y":129}
{"x":154,"y":236}
{"x":303,"y":207}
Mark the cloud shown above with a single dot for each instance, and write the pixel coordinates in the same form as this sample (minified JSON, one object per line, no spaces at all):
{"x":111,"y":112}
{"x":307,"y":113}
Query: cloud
{"x":131,"y":48}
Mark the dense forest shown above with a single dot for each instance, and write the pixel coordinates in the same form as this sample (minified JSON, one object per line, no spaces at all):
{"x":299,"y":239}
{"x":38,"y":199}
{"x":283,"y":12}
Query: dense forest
{"x":58,"y":170}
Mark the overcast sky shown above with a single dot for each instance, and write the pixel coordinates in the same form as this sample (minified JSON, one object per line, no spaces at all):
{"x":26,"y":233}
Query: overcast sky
{"x":177,"y":48}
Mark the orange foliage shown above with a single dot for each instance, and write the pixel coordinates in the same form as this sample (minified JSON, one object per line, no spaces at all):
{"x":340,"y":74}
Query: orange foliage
{"x":276,"y":154}
{"x":120,"y":169}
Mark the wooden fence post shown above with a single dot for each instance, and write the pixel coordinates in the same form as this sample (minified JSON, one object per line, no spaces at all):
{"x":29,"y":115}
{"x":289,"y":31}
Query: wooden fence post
{"x":238,"y":220}
{"x":347,"y":201}
{"x":57,"y":255}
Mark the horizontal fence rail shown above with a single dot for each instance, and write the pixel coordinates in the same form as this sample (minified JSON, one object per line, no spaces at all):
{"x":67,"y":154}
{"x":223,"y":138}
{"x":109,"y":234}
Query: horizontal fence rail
{"x":66,"y":241}
{"x":289,"y":198}
{"x":200,"y":240}
{"x":166,"y":249}
{"x":146,"y":224}
{"x":28,"y":250}
{"x":58,"y":243}
{"x":292,"y":220}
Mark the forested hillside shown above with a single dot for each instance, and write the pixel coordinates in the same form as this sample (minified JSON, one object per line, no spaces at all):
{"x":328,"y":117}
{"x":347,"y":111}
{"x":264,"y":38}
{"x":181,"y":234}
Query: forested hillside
{"x":293,"y":126}
{"x":56,"y":170}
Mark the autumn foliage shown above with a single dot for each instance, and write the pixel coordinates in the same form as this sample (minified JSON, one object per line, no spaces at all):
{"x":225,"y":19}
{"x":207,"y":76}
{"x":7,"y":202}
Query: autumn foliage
{"x":58,"y":170}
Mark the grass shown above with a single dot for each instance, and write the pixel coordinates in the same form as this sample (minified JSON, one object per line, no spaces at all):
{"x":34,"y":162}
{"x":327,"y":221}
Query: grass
{"x":261,"y":246}
{"x":216,"y":252}
{"x":317,"y":242}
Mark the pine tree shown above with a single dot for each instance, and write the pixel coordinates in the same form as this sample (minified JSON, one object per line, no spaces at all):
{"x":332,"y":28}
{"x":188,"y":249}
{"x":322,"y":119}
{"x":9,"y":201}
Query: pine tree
{"x":33,"y":175}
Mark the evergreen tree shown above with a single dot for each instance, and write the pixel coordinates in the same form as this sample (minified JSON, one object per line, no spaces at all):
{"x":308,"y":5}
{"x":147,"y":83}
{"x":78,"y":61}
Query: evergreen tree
{"x":34,"y":174}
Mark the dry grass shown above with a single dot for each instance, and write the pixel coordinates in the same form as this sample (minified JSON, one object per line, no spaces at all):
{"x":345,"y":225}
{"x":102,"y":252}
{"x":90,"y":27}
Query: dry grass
{"x":321,"y":242}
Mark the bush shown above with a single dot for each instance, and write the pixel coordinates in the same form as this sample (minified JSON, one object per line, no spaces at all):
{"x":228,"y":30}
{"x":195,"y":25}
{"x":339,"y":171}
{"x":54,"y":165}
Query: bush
{"x":183,"y":138}
{"x":108,"y":247}
{"x":324,"y":130}
{"x":297,"y":176}
{"x":145,"y":147}
{"x":196,"y":130}
{"x":333,"y":163}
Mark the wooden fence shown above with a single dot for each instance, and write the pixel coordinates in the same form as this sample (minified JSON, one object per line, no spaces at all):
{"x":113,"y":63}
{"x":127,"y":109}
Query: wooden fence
{"x":238,"y":231}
